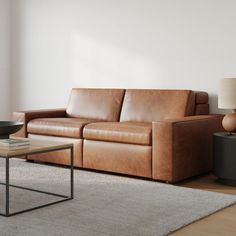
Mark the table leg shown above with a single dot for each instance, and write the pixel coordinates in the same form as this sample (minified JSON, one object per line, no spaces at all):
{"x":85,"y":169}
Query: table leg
{"x":7,"y":186}
{"x":72,"y":172}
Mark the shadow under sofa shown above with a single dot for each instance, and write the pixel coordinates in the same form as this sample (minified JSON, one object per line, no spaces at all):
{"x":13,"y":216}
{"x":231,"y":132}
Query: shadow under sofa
{"x":164,"y":135}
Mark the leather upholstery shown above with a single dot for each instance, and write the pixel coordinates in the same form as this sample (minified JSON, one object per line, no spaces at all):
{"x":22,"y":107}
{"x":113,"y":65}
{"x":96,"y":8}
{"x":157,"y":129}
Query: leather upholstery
{"x":167,"y":149}
{"x":59,"y":157}
{"x":153,"y":105}
{"x":26,"y":116}
{"x":123,"y":132}
{"x":201,"y":97}
{"x":62,"y":127}
{"x":99,"y":104}
{"x":201,"y":103}
{"x":118,"y":157}
{"x":190,"y":106}
{"x":202,"y":109}
{"x":183,"y":147}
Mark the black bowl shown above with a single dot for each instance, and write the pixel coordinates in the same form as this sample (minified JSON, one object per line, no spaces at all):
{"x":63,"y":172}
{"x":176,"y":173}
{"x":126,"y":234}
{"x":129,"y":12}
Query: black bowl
{"x":9,"y":127}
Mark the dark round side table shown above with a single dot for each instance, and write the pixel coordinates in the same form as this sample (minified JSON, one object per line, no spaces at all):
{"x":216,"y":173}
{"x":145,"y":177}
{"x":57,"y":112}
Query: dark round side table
{"x":224,"y":158}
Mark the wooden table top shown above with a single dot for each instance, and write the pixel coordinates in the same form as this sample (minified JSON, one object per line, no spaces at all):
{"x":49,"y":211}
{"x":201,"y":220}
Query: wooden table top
{"x":36,"y":146}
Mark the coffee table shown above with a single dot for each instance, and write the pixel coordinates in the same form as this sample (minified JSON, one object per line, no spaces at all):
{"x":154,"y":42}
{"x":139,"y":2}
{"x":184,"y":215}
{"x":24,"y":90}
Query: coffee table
{"x":35,"y":147}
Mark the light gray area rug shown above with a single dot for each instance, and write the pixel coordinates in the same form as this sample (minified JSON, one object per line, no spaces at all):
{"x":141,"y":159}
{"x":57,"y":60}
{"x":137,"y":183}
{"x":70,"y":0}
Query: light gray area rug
{"x":103,"y":205}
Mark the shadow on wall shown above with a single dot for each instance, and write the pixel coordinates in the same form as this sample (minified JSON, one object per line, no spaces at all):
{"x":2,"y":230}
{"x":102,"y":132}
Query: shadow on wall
{"x":213,"y":101}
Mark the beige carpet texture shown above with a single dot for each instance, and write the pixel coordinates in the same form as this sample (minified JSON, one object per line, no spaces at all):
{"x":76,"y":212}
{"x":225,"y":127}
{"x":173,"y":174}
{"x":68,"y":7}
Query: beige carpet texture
{"x":104,"y":204}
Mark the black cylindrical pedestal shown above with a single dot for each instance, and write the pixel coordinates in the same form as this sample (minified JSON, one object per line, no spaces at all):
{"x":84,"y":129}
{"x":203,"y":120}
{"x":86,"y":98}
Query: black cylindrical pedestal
{"x":224,"y":158}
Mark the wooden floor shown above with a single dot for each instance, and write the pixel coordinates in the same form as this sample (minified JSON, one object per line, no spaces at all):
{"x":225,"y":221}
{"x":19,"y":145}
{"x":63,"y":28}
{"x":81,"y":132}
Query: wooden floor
{"x":222,"y":223}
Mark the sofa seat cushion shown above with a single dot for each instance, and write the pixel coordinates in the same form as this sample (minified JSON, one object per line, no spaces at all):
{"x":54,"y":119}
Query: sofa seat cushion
{"x":122,"y":132}
{"x":63,"y":127}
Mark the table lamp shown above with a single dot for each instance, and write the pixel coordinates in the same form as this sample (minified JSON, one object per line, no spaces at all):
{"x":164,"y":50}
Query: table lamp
{"x":227,"y":100}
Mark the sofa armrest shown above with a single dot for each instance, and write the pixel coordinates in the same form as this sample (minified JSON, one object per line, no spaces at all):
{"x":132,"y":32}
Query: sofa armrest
{"x":26,"y":116}
{"x":183,"y":147}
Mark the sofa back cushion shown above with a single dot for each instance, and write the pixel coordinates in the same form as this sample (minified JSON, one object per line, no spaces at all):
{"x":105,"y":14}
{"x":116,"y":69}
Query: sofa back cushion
{"x":101,"y":104}
{"x":151,"y":105}
{"x":201,"y":103}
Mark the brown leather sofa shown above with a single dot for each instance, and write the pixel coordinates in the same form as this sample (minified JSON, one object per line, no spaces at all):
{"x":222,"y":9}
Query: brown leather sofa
{"x":160,"y":134}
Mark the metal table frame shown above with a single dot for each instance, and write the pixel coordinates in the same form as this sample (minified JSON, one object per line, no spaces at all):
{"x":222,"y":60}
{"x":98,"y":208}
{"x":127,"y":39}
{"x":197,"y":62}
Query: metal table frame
{"x":8,"y":185}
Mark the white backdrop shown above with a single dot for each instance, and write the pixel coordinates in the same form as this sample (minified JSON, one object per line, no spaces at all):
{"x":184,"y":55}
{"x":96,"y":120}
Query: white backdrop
{"x":5,"y":103}
{"x":60,"y":44}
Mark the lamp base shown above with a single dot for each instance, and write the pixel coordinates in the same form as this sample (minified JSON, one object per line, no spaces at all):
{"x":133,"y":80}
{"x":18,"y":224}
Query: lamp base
{"x":229,"y":122}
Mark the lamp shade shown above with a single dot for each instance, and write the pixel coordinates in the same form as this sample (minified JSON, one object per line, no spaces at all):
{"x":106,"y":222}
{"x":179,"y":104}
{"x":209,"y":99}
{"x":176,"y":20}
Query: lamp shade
{"x":227,"y":93}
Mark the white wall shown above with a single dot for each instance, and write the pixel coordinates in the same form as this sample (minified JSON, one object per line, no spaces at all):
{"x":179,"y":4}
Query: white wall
{"x":5,"y":60}
{"x":60,"y":44}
